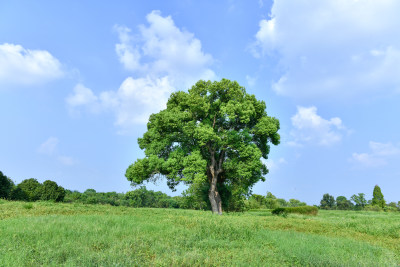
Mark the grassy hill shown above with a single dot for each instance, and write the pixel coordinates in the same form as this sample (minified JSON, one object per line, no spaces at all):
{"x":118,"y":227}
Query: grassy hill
{"x":54,"y":234}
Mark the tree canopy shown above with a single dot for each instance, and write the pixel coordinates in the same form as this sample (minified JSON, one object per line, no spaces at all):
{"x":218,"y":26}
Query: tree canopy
{"x":6,"y":185}
{"x":215,"y":134}
{"x":377,"y":199}
{"x":327,"y":202}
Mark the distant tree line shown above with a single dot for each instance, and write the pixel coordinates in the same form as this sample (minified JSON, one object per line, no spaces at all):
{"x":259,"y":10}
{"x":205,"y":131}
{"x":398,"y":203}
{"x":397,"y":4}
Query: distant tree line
{"x":30,"y":190}
{"x":359,"y":202}
{"x":271,"y":202}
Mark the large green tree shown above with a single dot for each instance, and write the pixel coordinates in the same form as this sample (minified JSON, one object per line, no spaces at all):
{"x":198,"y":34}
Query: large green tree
{"x":215,"y":134}
{"x":377,"y":199}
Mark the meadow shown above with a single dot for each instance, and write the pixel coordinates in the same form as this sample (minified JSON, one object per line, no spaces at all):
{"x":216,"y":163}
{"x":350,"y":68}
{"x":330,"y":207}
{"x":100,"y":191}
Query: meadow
{"x":61,"y":234}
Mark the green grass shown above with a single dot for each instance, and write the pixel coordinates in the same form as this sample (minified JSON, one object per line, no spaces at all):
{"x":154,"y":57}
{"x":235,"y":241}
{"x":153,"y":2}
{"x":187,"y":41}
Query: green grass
{"x":54,"y":234}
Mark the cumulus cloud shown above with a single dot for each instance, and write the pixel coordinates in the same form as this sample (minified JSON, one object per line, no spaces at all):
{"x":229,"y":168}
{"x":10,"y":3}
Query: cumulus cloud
{"x":336,"y":47}
{"x":49,"y":148}
{"x":20,"y":66}
{"x":379,"y":155}
{"x":83,"y":97}
{"x":136,"y":99}
{"x":162,"y":49}
{"x":128,"y":55}
{"x":163,"y":58}
{"x":311,"y":128}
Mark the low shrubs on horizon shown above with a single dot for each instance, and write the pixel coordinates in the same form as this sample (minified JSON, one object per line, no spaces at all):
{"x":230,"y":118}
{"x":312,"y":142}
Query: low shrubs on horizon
{"x":305,"y":210}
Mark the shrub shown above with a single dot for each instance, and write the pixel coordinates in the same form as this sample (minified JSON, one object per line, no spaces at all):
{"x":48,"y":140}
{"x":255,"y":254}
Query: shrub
{"x":390,"y":209}
{"x":373,"y":208}
{"x":27,"y":206}
{"x":306,"y":210}
{"x":279,"y":211}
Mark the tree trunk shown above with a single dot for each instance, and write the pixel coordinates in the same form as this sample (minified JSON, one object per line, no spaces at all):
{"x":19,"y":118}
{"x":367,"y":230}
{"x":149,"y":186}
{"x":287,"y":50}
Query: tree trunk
{"x":213,"y":171}
{"x":215,"y":200}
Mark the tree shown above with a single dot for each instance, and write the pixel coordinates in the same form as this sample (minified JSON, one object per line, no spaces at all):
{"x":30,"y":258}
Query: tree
{"x":343,"y":203}
{"x":296,"y":203}
{"x":270,"y":201}
{"x":215,"y":135}
{"x":6,"y":185}
{"x":327,"y":202}
{"x":359,"y":200}
{"x":377,"y":199}
{"x":51,"y":191}
{"x":31,"y":189}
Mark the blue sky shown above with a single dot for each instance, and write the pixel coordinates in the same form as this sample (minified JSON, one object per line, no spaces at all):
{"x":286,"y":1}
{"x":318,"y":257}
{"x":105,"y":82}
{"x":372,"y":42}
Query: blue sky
{"x":78,"y":80}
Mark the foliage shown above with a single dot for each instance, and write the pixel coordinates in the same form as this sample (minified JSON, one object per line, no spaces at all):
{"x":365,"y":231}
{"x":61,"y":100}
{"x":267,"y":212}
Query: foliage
{"x":359,"y":200}
{"x":271,"y":201}
{"x":139,"y":198}
{"x":214,"y":135}
{"x":31,"y":189}
{"x":51,"y":191}
{"x":377,"y":199}
{"x":306,"y":210}
{"x":279,"y":211}
{"x":390,"y":209}
{"x":296,"y":203}
{"x":6,"y":185}
{"x":328,"y":202}
{"x":343,"y":204}
{"x":373,"y":208}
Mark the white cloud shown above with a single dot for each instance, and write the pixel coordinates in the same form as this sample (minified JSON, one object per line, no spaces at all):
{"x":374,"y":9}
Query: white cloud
{"x":20,"y":66}
{"x":162,"y":49}
{"x":379,"y":155}
{"x":132,"y":103}
{"x":311,"y":128}
{"x":163,"y":58}
{"x":136,"y":99}
{"x":83,"y":97}
{"x":49,"y":146}
{"x":128,"y":55}
{"x":338,"y":47}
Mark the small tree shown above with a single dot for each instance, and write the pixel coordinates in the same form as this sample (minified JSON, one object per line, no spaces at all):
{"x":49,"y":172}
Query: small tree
{"x":327,"y":202}
{"x":6,"y":185}
{"x":377,"y":199}
{"x":359,"y":200}
{"x":214,"y":135}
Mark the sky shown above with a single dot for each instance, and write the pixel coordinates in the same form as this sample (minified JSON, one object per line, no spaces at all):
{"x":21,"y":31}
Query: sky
{"x":79,"y":79}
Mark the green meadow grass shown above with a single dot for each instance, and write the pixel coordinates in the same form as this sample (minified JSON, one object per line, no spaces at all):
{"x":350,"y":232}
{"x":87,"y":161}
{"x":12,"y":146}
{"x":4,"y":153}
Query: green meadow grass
{"x":54,"y":234}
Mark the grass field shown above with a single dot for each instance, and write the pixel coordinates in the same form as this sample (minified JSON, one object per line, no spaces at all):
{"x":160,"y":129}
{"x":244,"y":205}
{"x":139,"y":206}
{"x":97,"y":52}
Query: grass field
{"x":42,"y":233}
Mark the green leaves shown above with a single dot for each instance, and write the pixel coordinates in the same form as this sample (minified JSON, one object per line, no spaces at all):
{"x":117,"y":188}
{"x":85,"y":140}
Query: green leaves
{"x":215,"y":125}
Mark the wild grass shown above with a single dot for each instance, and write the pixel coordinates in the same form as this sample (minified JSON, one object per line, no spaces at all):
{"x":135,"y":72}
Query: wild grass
{"x":52,"y":234}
